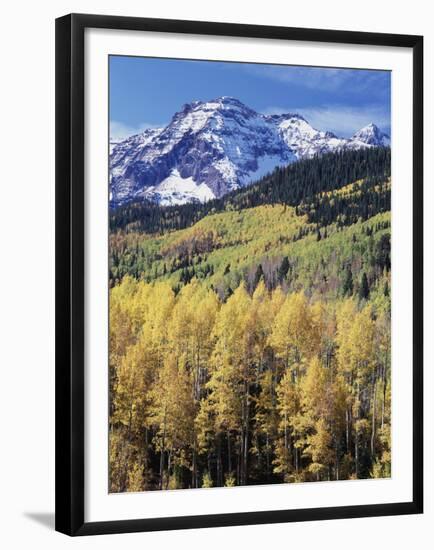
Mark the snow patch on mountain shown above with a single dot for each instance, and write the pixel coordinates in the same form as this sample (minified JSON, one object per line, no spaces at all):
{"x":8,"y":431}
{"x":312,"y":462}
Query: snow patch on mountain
{"x":178,"y":190}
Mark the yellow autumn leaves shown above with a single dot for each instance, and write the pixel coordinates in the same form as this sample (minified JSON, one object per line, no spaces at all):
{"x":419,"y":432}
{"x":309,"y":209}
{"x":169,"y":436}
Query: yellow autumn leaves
{"x":262,"y":388}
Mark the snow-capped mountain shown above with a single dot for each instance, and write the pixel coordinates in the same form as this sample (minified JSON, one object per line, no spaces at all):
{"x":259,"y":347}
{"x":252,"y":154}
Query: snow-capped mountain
{"x":210,"y":148}
{"x":372,"y":135}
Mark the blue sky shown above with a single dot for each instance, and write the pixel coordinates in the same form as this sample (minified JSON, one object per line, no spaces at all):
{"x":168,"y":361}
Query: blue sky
{"x":146,"y":92}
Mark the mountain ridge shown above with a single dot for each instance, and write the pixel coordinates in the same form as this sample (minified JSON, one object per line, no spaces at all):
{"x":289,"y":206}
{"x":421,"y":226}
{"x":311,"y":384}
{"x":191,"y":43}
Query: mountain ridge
{"x":210,"y":148}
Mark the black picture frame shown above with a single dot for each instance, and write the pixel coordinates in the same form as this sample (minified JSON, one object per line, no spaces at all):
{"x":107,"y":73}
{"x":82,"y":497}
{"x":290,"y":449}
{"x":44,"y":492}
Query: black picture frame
{"x":70,"y":239}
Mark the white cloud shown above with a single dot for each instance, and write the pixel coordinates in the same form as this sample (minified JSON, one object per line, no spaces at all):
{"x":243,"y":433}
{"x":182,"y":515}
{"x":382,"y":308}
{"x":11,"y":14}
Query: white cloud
{"x":119,"y":130}
{"x":327,"y":79}
{"x":340,"y":119}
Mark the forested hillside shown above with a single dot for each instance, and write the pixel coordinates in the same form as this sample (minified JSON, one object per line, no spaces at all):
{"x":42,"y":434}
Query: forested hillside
{"x":292,"y":185}
{"x":250,"y":336}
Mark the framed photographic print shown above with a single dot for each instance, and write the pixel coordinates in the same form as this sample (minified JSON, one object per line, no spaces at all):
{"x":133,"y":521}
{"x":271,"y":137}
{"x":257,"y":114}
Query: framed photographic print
{"x":238,"y":274}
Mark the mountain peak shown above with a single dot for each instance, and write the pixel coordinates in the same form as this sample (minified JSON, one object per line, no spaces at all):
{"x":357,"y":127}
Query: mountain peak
{"x":228,"y":100}
{"x":228,"y":104}
{"x":372,"y":135}
{"x":225,"y":106}
{"x":372,"y":127}
{"x":218,"y":102}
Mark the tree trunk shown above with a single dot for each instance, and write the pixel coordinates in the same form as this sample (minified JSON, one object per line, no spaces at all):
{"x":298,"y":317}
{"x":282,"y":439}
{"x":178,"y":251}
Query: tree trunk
{"x":239,"y":481}
{"x":229,"y":452}
{"x":356,"y":452}
{"x":246,"y":439}
{"x":161,"y":469}
{"x":219,"y":462}
{"x":163,"y":443}
{"x":347,"y":428}
{"x":286,"y":431}
{"x":296,"y":459}
{"x":194,"y":469}
{"x":146,"y":457}
{"x":268,"y":456}
{"x":384,"y":395}
{"x":337,"y":462}
{"x":374,"y":399}
{"x":169,"y":465}
{"x":356,"y":442}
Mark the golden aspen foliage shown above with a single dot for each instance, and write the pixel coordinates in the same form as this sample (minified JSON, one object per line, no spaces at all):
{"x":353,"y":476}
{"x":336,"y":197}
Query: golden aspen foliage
{"x":268,"y":386}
